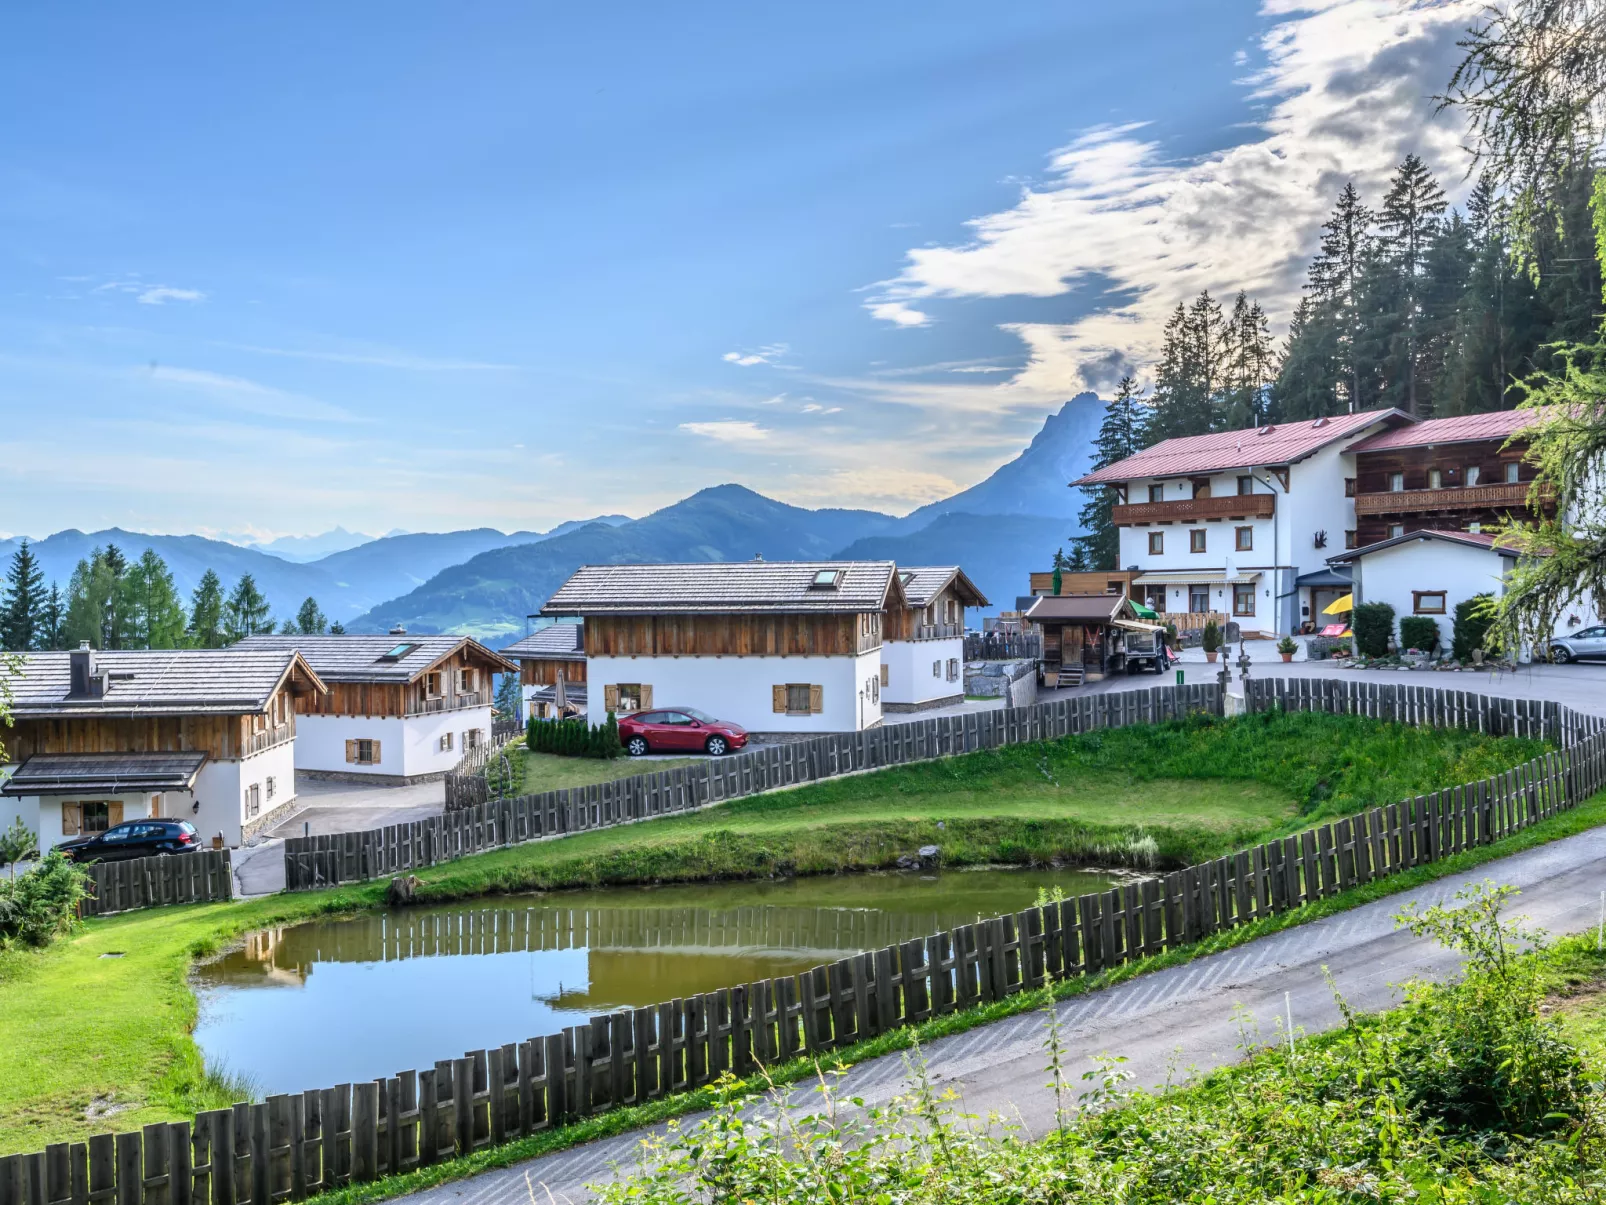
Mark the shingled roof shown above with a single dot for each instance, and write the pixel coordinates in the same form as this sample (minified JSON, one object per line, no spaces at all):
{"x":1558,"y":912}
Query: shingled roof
{"x":1275,"y":444}
{"x":394,"y":658}
{"x":725,"y":588}
{"x":113,"y":773}
{"x":231,"y":681}
{"x":1471,"y":539}
{"x":557,"y":642}
{"x":922,"y":583}
{"x":1463,"y":428}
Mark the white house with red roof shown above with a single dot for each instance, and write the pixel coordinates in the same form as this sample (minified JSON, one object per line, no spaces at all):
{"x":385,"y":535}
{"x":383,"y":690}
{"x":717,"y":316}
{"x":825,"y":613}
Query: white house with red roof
{"x":1229,"y":522}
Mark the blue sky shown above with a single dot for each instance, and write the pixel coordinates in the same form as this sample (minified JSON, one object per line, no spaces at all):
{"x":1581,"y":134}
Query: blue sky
{"x":435,"y":266}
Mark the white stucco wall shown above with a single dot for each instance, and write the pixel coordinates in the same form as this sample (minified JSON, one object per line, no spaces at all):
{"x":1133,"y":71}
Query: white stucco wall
{"x":279,"y":763}
{"x":408,"y":745}
{"x":422,"y":738}
{"x":740,"y":688}
{"x":1389,"y":575}
{"x":909,"y":676}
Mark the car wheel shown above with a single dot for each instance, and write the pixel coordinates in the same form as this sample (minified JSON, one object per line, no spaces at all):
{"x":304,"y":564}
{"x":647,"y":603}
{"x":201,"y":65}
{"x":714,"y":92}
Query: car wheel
{"x":636,"y":746}
{"x":717,"y":746}
{"x":1561,"y":654}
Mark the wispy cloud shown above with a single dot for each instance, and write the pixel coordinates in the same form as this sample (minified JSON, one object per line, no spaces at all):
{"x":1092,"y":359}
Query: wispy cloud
{"x":897,"y":313}
{"x":728,"y":431}
{"x":1346,"y":91}
{"x":162,"y":294}
{"x":246,"y":395}
{"x":403,"y":361}
{"x":767,"y":354}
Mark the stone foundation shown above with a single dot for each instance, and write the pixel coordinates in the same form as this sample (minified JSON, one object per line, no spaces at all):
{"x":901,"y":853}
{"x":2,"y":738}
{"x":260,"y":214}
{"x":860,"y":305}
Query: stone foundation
{"x":928,"y":705}
{"x":271,"y":818}
{"x":375,"y":780}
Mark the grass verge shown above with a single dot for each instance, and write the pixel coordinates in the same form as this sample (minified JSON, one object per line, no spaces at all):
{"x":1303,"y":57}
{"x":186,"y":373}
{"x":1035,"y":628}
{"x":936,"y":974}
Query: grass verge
{"x":530,"y":773}
{"x":1588,"y":815}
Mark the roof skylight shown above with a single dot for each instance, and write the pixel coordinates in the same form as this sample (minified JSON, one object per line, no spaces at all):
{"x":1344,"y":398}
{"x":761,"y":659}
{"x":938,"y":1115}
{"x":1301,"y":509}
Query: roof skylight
{"x":826,"y":579}
{"x":400,"y":651}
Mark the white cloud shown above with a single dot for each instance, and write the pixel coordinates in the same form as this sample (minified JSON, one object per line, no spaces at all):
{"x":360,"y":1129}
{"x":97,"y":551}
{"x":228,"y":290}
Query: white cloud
{"x":728,"y":431}
{"x":161,"y":294}
{"x":767,"y":354}
{"x":1346,"y":90}
{"x":897,"y":313}
{"x":812,"y":407}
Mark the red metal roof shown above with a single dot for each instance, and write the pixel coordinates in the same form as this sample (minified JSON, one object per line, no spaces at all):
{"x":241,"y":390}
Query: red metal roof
{"x":1464,"y":428}
{"x":1279,"y":443}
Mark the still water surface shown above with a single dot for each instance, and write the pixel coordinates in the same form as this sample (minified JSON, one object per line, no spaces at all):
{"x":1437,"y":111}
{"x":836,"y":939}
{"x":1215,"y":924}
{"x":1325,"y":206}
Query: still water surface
{"x":332,"y":1001}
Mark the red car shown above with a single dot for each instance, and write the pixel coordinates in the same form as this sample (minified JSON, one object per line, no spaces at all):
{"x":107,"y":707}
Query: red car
{"x":679,"y":730}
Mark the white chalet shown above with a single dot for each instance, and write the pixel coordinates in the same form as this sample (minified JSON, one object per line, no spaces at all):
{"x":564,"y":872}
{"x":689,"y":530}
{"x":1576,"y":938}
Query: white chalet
{"x":775,"y":646}
{"x":923,"y":657}
{"x":399,"y":708}
{"x":1229,"y":522}
{"x":204,"y":735}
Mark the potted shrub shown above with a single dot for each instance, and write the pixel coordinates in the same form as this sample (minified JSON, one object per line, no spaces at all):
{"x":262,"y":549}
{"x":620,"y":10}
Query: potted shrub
{"x":1210,"y":639}
{"x":1287,"y":648}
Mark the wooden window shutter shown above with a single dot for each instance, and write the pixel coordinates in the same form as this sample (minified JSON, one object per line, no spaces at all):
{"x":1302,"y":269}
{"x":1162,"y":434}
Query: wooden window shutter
{"x":72,"y":819}
{"x":114,"y":813}
{"x":374,"y":745}
{"x":778,"y":698}
{"x":646,"y":697}
{"x":886,"y":675}
{"x":610,"y":698}
{"x":351,"y":751}
{"x":816,"y":699}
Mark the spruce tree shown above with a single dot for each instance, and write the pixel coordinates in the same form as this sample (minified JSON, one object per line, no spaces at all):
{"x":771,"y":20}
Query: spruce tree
{"x":336,"y":628}
{"x":1123,"y":433}
{"x":20,"y":619}
{"x":247,"y":612}
{"x":52,"y":614}
{"x":1192,"y":371}
{"x":93,"y":600}
{"x":1408,"y":226}
{"x":206,"y":613}
{"x":1250,"y":367}
{"x":1335,"y":281}
{"x":310,"y":619}
{"x":153,"y":616}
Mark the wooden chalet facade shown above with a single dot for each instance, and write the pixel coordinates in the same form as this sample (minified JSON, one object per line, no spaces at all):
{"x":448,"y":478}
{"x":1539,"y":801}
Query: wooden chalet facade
{"x":923,"y":642}
{"x":204,"y":735}
{"x":1455,"y":474}
{"x":398,"y":708}
{"x":555,"y":653}
{"x":777,"y":646}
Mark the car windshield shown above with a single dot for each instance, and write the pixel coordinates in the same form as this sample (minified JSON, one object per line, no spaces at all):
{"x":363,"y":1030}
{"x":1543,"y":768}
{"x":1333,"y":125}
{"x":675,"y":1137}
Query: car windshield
{"x":702,"y":717}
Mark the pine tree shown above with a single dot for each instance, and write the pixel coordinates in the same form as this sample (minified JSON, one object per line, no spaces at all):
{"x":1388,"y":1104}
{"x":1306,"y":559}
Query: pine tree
{"x":336,"y":628}
{"x":247,"y":613}
{"x":310,"y":620}
{"x":92,"y":601}
{"x":1250,"y":367}
{"x":206,"y":613}
{"x":52,"y":615}
{"x":20,"y":619}
{"x":1307,"y":384}
{"x":149,"y":602}
{"x":1123,"y":433}
{"x":1408,"y":226}
{"x":1335,"y":285}
{"x":1192,"y":371}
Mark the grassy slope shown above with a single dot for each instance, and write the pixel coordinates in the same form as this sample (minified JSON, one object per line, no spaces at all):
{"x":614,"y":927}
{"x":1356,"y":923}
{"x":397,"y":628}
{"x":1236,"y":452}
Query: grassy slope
{"x":77,"y":1026}
{"x":537,"y":772}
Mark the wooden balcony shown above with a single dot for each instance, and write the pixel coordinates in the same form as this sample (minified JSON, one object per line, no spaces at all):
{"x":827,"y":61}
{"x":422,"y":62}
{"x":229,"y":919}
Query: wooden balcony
{"x":1228,"y":506}
{"x":457,"y":702}
{"x":1498,"y":496}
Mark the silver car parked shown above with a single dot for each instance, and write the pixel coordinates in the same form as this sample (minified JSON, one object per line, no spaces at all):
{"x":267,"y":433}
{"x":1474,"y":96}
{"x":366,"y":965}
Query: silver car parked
{"x":1586,"y":642}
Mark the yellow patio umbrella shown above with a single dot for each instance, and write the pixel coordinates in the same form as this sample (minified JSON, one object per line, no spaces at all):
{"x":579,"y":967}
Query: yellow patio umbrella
{"x":1340,"y":605}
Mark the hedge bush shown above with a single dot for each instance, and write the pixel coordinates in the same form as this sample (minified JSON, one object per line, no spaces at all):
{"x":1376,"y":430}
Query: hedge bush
{"x":1419,"y":632}
{"x":1472,"y":620}
{"x":1373,"y":624}
{"x":574,"y":738}
{"x":37,"y":908}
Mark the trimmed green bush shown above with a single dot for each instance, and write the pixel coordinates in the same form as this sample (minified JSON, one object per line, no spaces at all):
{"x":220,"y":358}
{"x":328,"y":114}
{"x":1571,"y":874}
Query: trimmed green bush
{"x":1373,"y":624}
{"x":574,"y":738}
{"x":37,"y":908}
{"x":1419,"y":632}
{"x":1210,"y":638}
{"x":1472,"y":620}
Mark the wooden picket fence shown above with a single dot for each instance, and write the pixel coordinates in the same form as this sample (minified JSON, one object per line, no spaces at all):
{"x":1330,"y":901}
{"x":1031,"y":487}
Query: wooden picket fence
{"x":334,"y":858}
{"x":147,"y":882}
{"x":293,"y":1146}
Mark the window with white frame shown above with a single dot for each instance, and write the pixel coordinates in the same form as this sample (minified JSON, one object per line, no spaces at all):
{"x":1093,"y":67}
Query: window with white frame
{"x":446,"y":742}
{"x":1511,"y":472}
{"x":253,"y":800}
{"x":271,"y":785}
{"x":953,"y":669}
{"x":936,"y":669}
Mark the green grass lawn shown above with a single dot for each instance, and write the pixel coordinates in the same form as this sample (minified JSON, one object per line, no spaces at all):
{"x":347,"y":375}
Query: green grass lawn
{"x":533,"y":773}
{"x":76,"y":1027}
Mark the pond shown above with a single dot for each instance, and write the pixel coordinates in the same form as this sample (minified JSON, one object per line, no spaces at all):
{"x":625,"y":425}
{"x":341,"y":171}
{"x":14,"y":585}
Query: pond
{"x":345,"y":1000}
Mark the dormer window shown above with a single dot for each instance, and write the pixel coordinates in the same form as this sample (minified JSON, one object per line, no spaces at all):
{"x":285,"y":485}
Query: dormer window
{"x":826,"y":579}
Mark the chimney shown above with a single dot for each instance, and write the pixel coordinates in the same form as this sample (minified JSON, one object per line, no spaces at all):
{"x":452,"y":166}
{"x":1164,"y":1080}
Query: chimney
{"x":399,"y":630}
{"x":758,"y":556}
{"x":87,"y":680}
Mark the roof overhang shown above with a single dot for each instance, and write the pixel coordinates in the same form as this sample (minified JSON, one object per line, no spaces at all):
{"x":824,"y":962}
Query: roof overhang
{"x":1187,"y":577}
{"x":104,"y":773}
{"x":1446,"y":537}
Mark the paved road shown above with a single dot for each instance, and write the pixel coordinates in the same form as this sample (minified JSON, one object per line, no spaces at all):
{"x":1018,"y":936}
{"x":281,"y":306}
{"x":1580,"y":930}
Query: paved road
{"x":332,"y":807}
{"x":1179,"y":1018}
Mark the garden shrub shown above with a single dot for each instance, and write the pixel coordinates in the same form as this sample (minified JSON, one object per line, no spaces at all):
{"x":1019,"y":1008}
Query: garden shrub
{"x":1419,"y":632}
{"x":37,"y":908}
{"x":574,"y":737}
{"x":1472,"y":620}
{"x":1373,"y":624}
{"x":1210,"y":638}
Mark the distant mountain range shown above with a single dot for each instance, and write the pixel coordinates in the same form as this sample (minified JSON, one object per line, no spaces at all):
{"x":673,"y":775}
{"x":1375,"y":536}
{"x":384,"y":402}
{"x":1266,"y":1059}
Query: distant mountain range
{"x":483,"y":582}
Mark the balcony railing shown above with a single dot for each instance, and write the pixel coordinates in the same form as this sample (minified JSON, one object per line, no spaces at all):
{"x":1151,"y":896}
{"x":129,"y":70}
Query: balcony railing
{"x":267,"y":738}
{"x":1499,"y":495}
{"x":469,"y":698}
{"x":935,"y":631}
{"x":1228,"y":506}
